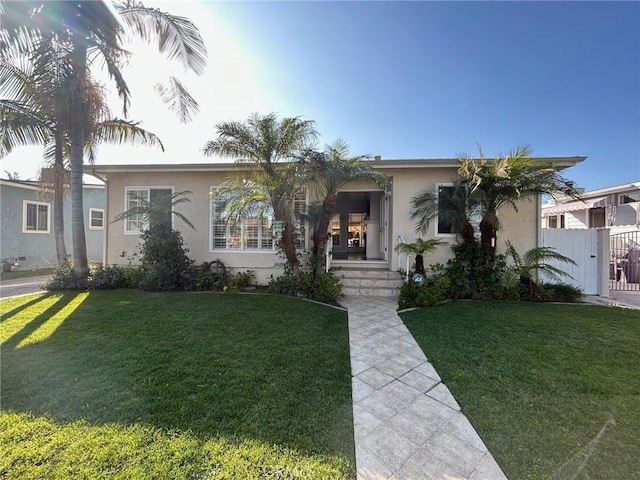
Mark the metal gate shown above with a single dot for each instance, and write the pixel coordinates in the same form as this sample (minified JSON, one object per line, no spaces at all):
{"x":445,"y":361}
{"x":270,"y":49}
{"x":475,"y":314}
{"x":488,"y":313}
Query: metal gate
{"x":624,"y":263}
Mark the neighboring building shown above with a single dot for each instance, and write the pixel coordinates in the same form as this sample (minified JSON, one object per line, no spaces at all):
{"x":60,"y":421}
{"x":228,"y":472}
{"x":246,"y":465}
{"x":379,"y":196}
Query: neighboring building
{"x":616,"y":208}
{"x":368,"y":223}
{"x":27,"y":237}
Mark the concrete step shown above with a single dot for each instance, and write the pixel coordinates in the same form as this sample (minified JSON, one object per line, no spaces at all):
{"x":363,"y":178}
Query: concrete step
{"x":380,"y":282}
{"x":371,"y":291}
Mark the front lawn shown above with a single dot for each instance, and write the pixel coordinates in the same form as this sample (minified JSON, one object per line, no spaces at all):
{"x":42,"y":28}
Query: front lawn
{"x":554,"y":390}
{"x":127,"y":384}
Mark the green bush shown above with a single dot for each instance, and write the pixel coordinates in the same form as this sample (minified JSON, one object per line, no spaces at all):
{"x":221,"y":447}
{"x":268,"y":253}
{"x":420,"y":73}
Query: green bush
{"x":109,"y":277}
{"x":165,"y":265}
{"x":432,"y":290}
{"x":558,"y":292}
{"x":64,"y":279}
{"x":241,"y":280}
{"x":473,"y":276}
{"x":325,"y":288}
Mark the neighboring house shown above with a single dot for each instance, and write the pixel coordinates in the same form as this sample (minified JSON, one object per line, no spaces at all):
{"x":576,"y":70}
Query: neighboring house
{"x":27,"y":239}
{"x":369,"y":221}
{"x":616,"y":208}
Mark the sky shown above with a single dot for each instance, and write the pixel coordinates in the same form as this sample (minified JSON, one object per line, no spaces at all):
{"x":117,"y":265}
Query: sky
{"x":405,"y":80}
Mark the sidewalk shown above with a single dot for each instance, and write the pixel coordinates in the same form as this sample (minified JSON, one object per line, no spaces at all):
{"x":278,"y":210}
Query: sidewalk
{"x":407,"y":425}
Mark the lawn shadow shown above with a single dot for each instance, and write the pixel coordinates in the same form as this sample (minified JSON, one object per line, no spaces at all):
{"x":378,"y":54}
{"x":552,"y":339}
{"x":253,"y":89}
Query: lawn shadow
{"x":213,"y":365}
{"x":23,"y":306}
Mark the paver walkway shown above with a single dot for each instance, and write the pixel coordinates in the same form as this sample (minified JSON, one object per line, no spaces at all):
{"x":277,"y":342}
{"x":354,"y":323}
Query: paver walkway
{"x":407,"y":425}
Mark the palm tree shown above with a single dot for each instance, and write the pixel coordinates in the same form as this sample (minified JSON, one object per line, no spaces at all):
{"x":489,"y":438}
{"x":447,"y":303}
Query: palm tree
{"x":327,"y":172}
{"x":36,"y":114}
{"x":536,"y":260}
{"x":455,"y":210}
{"x":504,"y":181}
{"x":418,"y":248}
{"x":92,"y":31}
{"x":264,"y":147}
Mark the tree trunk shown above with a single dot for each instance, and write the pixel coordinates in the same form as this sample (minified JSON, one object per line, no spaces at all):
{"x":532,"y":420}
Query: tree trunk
{"x":320,"y":235}
{"x":77,"y":139}
{"x":289,"y":248}
{"x":420,"y":264}
{"x":467,"y":233}
{"x":488,"y":239}
{"x":58,"y":206}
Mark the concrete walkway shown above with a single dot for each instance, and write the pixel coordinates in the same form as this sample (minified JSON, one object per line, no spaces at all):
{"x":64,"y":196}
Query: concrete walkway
{"x":407,"y":425}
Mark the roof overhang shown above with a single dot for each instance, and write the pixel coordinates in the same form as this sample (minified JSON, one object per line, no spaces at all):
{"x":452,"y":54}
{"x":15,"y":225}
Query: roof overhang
{"x":573,"y":206}
{"x":561,"y":162}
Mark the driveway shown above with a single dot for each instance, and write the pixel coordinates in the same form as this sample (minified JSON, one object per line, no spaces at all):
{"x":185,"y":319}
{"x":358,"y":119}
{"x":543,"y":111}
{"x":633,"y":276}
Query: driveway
{"x":21,"y":286}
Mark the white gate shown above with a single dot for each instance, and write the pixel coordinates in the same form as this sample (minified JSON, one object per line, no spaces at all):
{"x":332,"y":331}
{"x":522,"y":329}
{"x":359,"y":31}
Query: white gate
{"x":583,"y":247}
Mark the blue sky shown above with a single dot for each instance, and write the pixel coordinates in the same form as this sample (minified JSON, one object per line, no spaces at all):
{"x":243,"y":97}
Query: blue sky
{"x":419,"y":79}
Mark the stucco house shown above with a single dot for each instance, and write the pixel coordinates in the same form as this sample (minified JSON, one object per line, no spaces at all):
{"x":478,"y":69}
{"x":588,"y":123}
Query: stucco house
{"x":27,"y":237}
{"x":369,"y":220}
{"x":616,"y":208}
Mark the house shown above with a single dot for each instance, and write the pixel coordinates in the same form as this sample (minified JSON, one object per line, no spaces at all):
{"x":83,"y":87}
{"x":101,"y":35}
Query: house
{"x":369,"y":221}
{"x":27,"y":237}
{"x":616,"y":208}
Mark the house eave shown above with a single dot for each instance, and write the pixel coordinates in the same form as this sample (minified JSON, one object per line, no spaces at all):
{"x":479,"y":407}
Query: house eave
{"x":392,"y":164}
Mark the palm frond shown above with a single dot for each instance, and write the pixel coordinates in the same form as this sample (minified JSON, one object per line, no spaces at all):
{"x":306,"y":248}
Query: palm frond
{"x":176,"y":96}
{"x":176,"y":37}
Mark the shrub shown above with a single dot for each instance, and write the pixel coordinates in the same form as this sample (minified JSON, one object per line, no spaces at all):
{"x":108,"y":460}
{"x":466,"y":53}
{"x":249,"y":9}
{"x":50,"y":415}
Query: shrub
{"x":326,"y":287}
{"x":422,"y":291}
{"x":64,"y":279}
{"x":241,"y":280}
{"x":109,"y":277}
{"x":474,"y":276}
{"x":558,"y":292}
{"x":165,"y":264}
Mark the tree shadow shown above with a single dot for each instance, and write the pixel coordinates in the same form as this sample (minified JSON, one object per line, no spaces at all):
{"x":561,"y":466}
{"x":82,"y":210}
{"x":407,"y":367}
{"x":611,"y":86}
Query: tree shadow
{"x":23,"y":306}
{"x":182,"y":366}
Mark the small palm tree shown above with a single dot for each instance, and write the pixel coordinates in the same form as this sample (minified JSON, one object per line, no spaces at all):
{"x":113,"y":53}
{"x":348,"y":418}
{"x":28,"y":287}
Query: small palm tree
{"x":537,"y":260}
{"x":158,"y":214}
{"x":264,"y":147}
{"x":418,"y":248}
{"x":327,"y":172}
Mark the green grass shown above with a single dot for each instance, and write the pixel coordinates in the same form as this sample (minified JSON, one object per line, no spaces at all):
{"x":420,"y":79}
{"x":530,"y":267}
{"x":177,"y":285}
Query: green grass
{"x":25,"y":273}
{"x":126,"y":384}
{"x":554,"y":390}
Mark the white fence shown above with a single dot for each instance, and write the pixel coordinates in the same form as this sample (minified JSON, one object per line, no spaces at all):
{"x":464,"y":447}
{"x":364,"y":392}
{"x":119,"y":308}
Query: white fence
{"x":589,"y":248}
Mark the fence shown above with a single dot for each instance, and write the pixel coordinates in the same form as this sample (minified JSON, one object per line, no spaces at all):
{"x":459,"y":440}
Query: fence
{"x":624,"y":261}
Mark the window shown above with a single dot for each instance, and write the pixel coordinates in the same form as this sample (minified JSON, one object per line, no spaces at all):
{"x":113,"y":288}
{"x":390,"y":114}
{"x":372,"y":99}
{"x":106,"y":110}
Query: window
{"x":251,"y":231}
{"x":96,"y":219}
{"x":555,"y":221}
{"x":138,"y":197}
{"x":628,"y":198}
{"x":35,"y":217}
{"x":446,"y":203}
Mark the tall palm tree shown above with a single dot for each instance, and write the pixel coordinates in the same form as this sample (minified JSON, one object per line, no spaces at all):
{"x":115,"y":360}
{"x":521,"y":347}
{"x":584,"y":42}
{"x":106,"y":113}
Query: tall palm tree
{"x":264,"y":148}
{"x":36,"y":114}
{"x":93,"y":30}
{"x":504,"y":181}
{"x":327,"y":172}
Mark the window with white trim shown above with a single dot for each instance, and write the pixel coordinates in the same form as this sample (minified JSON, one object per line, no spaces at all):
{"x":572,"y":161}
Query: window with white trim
{"x":96,"y":219}
{"x":555,"y":221}
{"x":137,"y":197}
{"x":252,"y":231}
{"x":35,"y":217}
